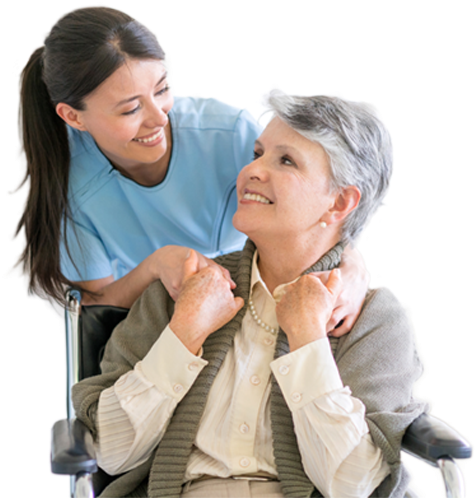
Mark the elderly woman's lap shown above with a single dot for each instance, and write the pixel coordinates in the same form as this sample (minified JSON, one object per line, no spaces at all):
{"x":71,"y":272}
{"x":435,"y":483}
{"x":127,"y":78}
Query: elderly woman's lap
{"x":232,"y":488}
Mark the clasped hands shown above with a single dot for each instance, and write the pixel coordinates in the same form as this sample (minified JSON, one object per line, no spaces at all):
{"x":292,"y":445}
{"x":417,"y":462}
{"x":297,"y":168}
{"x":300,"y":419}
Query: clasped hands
{"x":206,"y":302}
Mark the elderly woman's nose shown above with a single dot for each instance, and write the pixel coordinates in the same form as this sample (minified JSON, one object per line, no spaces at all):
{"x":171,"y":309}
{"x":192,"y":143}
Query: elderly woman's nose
{"x":257,"y":169}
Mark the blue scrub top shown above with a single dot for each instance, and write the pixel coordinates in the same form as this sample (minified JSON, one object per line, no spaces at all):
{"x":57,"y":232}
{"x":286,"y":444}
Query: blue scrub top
{"x":116,"y":223}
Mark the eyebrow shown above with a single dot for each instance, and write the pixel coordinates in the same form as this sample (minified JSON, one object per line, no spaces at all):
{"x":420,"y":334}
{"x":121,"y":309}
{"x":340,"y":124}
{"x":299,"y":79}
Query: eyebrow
{"x":130,"y":99}
{"x":289,"y":148}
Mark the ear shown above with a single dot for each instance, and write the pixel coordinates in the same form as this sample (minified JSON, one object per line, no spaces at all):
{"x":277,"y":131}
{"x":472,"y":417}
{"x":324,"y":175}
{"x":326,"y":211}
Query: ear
{"x":346,"y":201}
{"x":72,"y":116}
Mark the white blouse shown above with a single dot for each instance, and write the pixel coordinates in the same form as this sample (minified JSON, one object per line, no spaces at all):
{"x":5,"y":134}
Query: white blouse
{"x":234,"y":436}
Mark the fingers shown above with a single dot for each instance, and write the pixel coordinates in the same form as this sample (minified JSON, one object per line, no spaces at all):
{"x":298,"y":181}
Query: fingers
{"x":339,"y":323}
{"x":334,"y":284}
{"x":336,"y":320}
{"x":344,"y":326}
{"x":227,"y":276}
{"x":191,"y":265}
{"x":239,"y":303}
{"x":225,"y":273}
{"x":323,"y":276}
{"x":204,"y":262}
{"x":331,"y":280}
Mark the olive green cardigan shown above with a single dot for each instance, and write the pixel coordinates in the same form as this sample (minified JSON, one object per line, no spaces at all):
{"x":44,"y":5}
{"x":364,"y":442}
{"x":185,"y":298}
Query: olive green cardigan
{"x":377,"y":360}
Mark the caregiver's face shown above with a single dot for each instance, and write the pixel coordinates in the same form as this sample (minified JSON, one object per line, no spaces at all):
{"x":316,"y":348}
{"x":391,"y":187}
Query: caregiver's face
{"x":286,"y":190}
{"x":127,"y":114}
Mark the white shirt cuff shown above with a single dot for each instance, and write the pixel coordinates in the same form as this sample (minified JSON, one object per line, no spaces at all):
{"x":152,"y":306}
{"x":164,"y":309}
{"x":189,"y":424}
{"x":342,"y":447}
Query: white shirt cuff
{"x":171,"y":366}
{"x":307,"y":373}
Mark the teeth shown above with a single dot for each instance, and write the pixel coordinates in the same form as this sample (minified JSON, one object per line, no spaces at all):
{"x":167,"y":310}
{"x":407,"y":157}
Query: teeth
{"x":256,"y":197}
{"x":150,"y":139}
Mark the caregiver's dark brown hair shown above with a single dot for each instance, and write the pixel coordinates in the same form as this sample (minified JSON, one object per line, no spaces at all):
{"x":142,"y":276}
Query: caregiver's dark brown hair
{"x":82,"y":50}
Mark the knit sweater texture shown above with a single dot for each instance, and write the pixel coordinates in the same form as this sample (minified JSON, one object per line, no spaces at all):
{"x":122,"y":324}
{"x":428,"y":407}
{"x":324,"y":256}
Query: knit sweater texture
{"x":377,"y":360}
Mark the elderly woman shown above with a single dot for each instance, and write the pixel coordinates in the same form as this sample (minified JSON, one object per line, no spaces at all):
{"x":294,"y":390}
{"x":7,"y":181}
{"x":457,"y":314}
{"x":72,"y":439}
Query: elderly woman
{"x":240,"y":392}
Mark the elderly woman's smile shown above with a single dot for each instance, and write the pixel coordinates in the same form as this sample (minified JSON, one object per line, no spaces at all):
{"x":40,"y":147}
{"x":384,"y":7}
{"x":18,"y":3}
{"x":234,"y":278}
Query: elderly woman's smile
{"x":286,"y":189}
{"x":254,"y":197}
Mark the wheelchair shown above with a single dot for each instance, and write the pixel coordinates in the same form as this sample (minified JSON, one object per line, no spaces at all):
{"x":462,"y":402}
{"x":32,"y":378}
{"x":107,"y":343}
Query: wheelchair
{"x":72,"y":452}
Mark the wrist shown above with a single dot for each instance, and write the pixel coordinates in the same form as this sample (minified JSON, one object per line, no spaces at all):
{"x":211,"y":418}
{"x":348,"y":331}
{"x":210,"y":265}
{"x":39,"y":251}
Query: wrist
{"x":302,"y":337}
{"x":187,"y":334}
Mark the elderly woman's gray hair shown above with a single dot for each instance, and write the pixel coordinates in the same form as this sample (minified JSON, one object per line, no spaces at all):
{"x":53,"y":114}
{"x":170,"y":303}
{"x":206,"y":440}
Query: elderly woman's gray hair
{"x":356,"y":142}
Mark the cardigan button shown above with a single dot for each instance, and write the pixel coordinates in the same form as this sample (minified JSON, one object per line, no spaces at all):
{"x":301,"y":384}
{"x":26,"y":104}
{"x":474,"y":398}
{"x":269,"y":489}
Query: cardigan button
{"x":244,"y":462}
{"x":193,"y":367}
{"x":178,"y":388}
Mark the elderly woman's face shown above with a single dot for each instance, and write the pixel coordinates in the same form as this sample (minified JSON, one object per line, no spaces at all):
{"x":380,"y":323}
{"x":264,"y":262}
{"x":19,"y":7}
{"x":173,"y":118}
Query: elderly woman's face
{"x":285,"y":190}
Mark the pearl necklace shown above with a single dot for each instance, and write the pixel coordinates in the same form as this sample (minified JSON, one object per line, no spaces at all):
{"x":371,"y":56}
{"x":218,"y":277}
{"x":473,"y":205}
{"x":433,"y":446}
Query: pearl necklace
{"x":258,"y":320}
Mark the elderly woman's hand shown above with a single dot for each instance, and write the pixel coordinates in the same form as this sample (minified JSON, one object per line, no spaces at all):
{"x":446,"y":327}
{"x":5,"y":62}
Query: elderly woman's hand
{"x":204,"y":304}
{"x":305,"y":309}
{"x":168,"y":264}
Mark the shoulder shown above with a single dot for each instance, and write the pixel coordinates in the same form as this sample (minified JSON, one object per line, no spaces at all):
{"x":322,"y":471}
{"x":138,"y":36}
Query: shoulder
{"x":89,"y":168}
{"x":381,"y":304}
{"x":378,"y":359}
{"x":383,"y":325}
{"x":136,"y":334}
{"x":203,"y":114}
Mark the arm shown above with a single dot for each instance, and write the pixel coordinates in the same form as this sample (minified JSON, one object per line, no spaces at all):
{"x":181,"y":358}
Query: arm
{"x":379,"y":364}
{"x":141,"y":403}
{"x":337,"y":451}
{"x":165,"y":264}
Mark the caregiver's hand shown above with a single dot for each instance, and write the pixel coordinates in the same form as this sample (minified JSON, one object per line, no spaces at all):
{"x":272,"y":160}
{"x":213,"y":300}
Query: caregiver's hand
{"x":355,"y":284}
{"x":305,"y":309}
{"x":168,"y":265}
{"x":205,"y":303}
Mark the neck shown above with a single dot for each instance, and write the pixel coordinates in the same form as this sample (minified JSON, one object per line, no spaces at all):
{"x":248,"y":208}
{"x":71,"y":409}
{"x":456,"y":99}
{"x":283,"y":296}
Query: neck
{"x":285,"y":261}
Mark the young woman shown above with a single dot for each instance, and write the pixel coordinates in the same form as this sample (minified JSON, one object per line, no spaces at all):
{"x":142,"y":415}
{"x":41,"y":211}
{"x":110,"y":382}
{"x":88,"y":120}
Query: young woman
{"x":120,"y":174}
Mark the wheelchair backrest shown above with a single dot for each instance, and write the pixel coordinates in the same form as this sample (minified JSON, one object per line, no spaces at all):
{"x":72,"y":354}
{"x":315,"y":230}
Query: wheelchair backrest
{"x":88,"y":328}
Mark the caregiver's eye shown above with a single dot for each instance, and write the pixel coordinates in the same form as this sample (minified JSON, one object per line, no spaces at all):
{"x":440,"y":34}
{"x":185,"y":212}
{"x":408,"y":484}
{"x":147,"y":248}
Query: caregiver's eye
{"x":162,"y":91}
{"x":256,"y":155}
{"x":133,"y":111}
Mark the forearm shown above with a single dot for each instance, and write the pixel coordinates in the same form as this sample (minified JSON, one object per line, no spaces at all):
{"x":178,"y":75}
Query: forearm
{"x":133,"y":414}
{"x":127,"y":436}
{"x":124,"y":291}
{"x":337,"y":451}
{"x":165,"y":264}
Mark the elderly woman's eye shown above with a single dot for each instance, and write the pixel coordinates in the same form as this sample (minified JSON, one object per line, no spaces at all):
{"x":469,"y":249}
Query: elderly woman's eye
{"x":288,"y":162}
{"x":256,"y":155}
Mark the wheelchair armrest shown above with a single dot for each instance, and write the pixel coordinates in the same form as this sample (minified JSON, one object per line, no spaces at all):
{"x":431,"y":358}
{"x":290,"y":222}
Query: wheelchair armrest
{"x":72,"y":449}
{"x":431,"y":439}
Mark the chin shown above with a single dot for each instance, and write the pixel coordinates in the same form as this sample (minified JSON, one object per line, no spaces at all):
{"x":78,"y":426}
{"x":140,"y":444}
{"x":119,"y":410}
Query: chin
{"x":243,"y":222}
{"x":237,"y":223}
